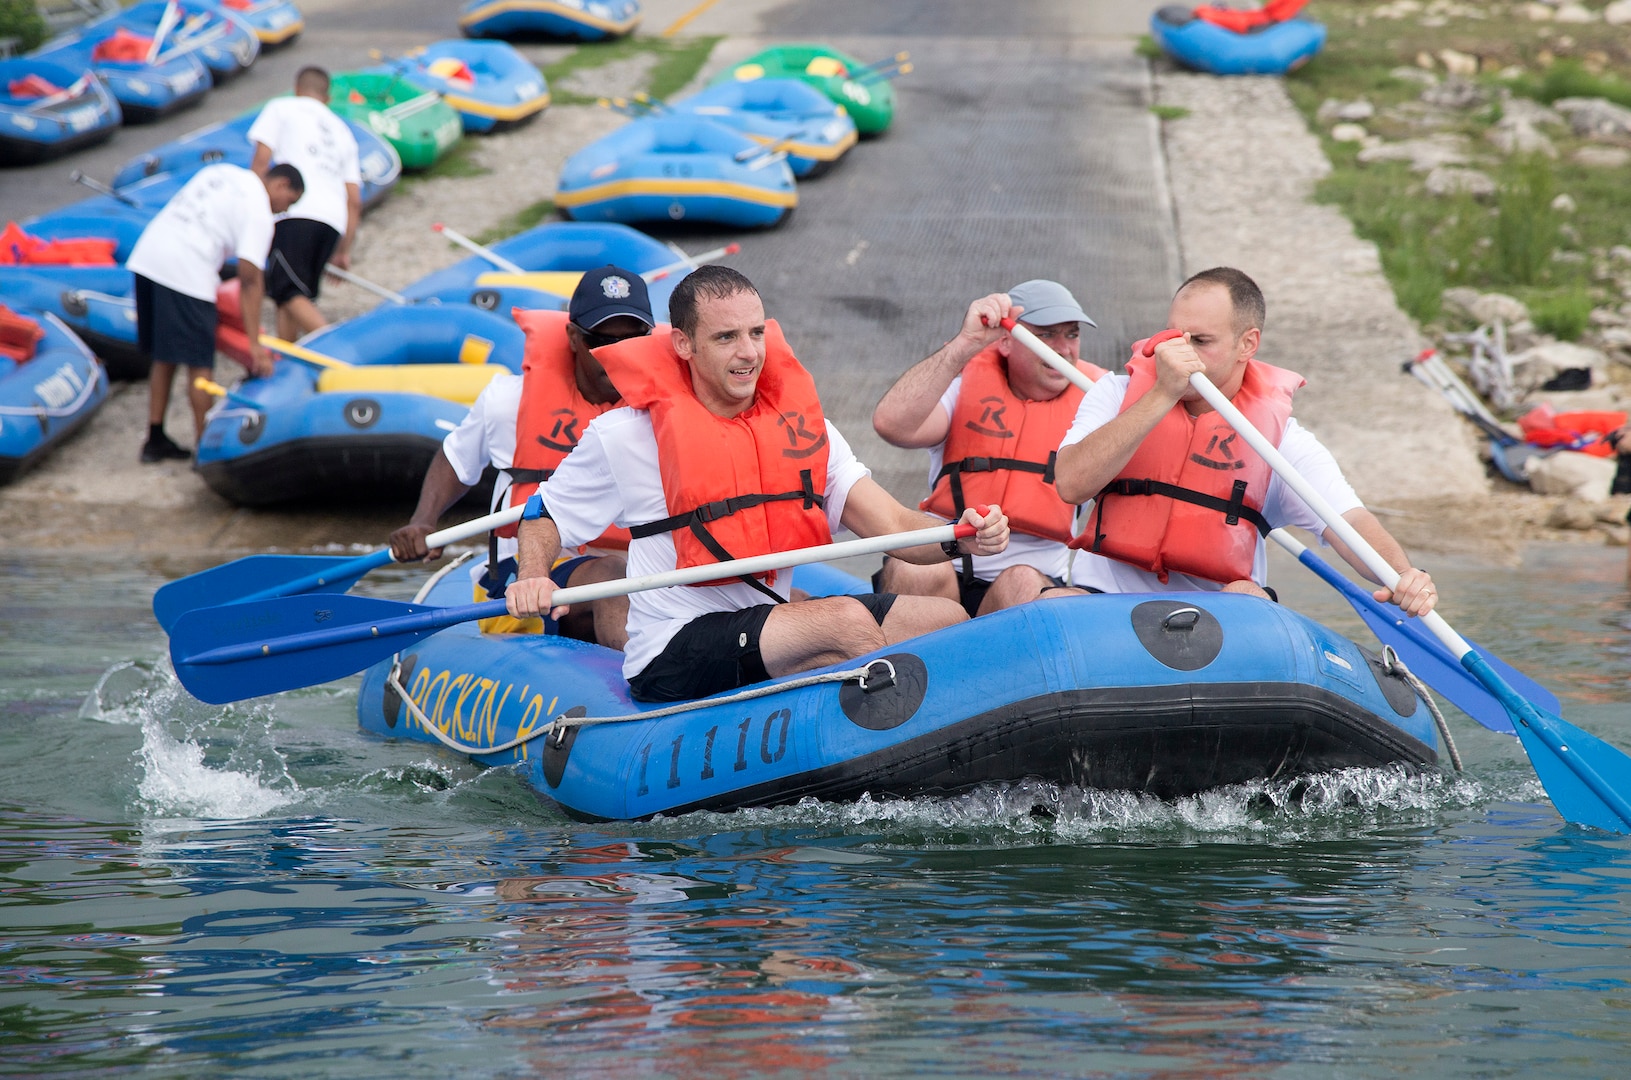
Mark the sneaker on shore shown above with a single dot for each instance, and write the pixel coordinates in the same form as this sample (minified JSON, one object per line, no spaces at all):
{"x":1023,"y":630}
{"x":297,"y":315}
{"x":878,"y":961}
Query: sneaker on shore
{"x":163,"y":448}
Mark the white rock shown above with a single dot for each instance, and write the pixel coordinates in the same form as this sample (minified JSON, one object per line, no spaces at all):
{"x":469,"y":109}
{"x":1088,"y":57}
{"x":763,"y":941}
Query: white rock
{"x":1417,"y":75}
{"x":1603,"y":157}
{"x":1459,"y":298}
{"x":1356,"y":111}
{"x":1528,"y":110}
{"x":1595,"y":117}
{"x":1535,"y":12}
{"x":1533,"y":368}
{"x":1564,"y":203}
{"x":1575,"y":13}
{"x":1458,"y":63}
{"x":1618,"y":13}
{"x":1327,"y":111}
{"x":1424,"y":154}
{"x":1491,"y":306}
{"x":1569,"y":473}
{"x":1510,"y":73}
{"x":1454,"y":93}
{"x":1425,"y":60}
{"x":1573,"y":513}
{"x":1511,"y":135}
{"x":1450,"y":180}
{"x":1620,"y":253}
{"x":1349,"y":133}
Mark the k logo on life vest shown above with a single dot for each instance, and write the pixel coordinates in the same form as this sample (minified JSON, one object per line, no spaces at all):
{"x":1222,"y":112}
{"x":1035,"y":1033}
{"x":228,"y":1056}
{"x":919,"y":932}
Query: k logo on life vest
{"x":991,"y":423}
{"x":1225,"y":447}
{"x":565,"y":431}
{"x":801,"y":441}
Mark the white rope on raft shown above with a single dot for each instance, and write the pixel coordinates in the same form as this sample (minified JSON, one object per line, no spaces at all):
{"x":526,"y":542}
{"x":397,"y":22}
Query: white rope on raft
{"x":1392,"y":665}
{"x":59,"y":411}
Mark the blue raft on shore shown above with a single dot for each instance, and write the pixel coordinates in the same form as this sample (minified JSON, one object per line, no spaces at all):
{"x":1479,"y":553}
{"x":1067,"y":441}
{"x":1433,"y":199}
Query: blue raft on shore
{"x":1166,"y":695}
{"x":274,"y":22}
{"x":1271,"y":50}
{"x":677,"y":168}
{"x":45,"y":395}
{"x":366,"y":432}
{"x":784,"y":114}
{"x":224,"y":42}
{"x":555,"y":257}
{"x":490,"y":85}
{"x":48,"y":109}
{"x":146,"y":90}
{"x":578,"y":20}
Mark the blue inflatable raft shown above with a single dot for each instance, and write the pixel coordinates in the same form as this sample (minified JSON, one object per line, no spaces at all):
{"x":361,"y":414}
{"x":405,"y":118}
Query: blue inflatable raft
{"x":677,"y":168}
{"x":380,"y":166}
{"x":224,"y":42}
{"x":46,"y":397}
{"x":359,"y":434}
{"x":1273,"y":50}
{"x":1166,"y":695}
{"x":274,"y":22}
{"x":48,"y":109}
{"x":492,"y":86}
{"x":554,"y":257}
{"x":96,"y":302}
{"x":786,"y":114}
{"x":579,"y":20}
{"x":145,"y":91}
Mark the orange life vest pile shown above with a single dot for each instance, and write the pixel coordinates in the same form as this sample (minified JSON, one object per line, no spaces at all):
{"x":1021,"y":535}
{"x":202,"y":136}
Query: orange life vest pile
{"x":32,"y":86}
{"x":1001,"y":449}
{"x":1246,"y":20}
{"x":19,"y":247}
{"x":19,"y":335}
{"x":1583,"y":431}
{"x":738,"y":487}
{"x":122,"y":47}
{"x":1190,"y":498}
{"x":553,"y":412}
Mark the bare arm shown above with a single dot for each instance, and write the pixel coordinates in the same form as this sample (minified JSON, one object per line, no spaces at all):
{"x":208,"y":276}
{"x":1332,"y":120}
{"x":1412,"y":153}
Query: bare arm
{"x":869,"y":510}
{"x":909,"y":414}
{"x":251,"y":292}
{"x":1416,"y":593}
{"x":540,"y":544}
{"x":441,"y":489}
{"x":261,"y":163}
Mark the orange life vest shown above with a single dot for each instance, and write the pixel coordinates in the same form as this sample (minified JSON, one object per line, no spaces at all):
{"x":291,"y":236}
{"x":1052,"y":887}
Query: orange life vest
{"x":19,"y":335}
{"x":553,"y":413}
{"x":19,"y":247}
{"x":1001,"y":449}
{"x":1583,"y":432}
{"x":738,"y":487}
{"x":1200,"y":488}
{"x":1246,"y":20}
{"x":122,"y":47}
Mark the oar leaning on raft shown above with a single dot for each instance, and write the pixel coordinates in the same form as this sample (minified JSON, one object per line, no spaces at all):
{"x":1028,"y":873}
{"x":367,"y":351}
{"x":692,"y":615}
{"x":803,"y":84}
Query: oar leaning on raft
{"x":1588,"y":780}
{"x":239,"y":651}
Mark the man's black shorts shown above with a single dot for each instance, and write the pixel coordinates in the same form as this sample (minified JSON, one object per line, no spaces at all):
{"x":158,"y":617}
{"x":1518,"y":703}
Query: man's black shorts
{"x":301,"y":248}
{"x":172,"y":327}
{"x":970,"y":590}
{"x":720,"y":651}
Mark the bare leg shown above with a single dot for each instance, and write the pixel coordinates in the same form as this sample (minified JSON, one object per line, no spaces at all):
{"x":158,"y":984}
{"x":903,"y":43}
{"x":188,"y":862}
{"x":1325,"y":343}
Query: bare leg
{"x":910,"y":579}
{"x":914,"y":615}
{"x":1014,"y":586}
{"x":812,"y":633}
{"x":200,"y":401}
{"x":297,"y":317}
{"x":1246,"y":587}
{"x":605,"y":622}
{"x":158,"y":391}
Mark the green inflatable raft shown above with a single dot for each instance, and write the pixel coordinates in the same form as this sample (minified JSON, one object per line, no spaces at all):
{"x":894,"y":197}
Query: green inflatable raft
{"x":417,"y":122}
{"x":862,"y":89}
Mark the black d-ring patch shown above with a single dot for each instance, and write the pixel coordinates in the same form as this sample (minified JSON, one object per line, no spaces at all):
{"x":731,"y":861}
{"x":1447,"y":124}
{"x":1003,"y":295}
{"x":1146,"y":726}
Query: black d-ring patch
{"x":392,"y":701}
{"x":558,"y":747}
{"x":362,"y":412}
{"x":892,"y":706}
{"x":1180,"y":633}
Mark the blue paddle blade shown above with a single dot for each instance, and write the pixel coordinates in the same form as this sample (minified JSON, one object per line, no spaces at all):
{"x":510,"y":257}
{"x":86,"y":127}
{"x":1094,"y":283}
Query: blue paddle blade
{"x":240,"y":651}
{"x":1435,"y":668}
{"x":1586,"y":778}
{"x":257,"y":576}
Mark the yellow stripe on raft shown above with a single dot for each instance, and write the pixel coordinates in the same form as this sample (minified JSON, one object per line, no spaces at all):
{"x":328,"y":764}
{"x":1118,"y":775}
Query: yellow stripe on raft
{"x":498,"y":112}
{"x":816,"y":151}
{"x":461,"y":383}
{"x":677,"y":189}
{"x":280,"y":35}
{"x":546,"y":7}
{"x":559,"y":282}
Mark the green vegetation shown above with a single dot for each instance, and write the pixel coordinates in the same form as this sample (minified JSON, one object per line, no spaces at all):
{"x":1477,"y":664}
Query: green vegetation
{"x":1169,"y":112}
{"x":20,"y":19}
{"x":520,"y":221}
{"x":677,"y":63}
{"x":1513,"y":241}
{"x":1147,"y":48}
{"x":457,"y":163}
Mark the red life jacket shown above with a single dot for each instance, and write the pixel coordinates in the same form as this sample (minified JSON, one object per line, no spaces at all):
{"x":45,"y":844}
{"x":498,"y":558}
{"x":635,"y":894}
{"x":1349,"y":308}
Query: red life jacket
{"x":553,"y":413}
{"x":748,"y":485}
{"x":1246,"y":20}
{"x":1583,"y":432}
{"x":122,"y":47}
{"x":32,"y":86}
{"x":1001,"y":449}
{"x":19,"y":247}
{"x":19,"y":335}
{"x":1199,"y":487}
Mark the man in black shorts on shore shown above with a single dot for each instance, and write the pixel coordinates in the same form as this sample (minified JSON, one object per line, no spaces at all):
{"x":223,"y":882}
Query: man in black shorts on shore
{"x":223,"y":212}
{"x":304,"y":132}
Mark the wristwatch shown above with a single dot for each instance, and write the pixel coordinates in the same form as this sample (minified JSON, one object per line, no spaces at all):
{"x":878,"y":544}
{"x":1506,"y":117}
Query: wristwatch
{"x":953,"y":552}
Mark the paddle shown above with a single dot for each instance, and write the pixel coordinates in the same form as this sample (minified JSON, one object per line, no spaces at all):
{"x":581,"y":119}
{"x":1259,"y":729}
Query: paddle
{"x":478,"y":249}
{"x":1586,"y":778}
{"x":265,"y":577}
{"x":171,"y":16}
{"x":301,"y":353}
{"x":689,"y":261}
{"x":215,"y":389}
{"x":363,"y":283}
{"x":1420,"y":651}
{"x":239,"y":651}
{"x":102,"y":189}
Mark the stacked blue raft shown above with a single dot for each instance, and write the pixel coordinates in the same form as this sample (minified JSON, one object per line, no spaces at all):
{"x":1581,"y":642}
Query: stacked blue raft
{"x":47,"y":397}
{"x":48,"y":109}
{"x":580,"y":20}
{"x":1272,"y":50}
{"x":492,"y":87}
{"x":224,"y":42}
{"x":146,"y":89}
{"x":1164,"y":695}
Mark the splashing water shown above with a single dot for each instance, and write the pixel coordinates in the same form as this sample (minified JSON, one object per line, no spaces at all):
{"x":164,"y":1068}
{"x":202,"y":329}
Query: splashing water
{"x":177,"y":783}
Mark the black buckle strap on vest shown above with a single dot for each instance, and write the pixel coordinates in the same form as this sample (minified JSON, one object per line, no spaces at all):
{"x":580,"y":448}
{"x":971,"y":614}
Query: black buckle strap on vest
{"x":956,"y":469}
{"x":695,"y":519}
{"x":529,"y":476}
{"x":1233,"y":508}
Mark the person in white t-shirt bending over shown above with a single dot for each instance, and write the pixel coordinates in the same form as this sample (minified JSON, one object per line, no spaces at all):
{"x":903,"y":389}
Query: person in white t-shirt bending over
{"x":722,"y":452}
{"x":991,"y":414}
{"x":1182,"y":501}
{"x":319,"y":229}
{"x":223,"y":212}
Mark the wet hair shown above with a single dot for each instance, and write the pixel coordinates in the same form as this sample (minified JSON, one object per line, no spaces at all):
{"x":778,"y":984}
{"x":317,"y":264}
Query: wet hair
{"x":312,"y":78}
{"x":291,"y":174}
{"x":1244,"y":296}
{"x":712,"y":282}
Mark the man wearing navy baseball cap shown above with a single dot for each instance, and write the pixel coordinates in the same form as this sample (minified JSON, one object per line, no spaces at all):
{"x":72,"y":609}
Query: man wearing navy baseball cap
{"x":991,"y":415}
{"x":524,"y":425}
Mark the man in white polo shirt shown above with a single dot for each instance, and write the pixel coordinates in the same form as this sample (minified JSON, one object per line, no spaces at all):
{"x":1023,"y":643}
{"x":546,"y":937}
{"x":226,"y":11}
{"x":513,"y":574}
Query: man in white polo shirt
{"x":223,"y":212}
{"x":319,"y":229}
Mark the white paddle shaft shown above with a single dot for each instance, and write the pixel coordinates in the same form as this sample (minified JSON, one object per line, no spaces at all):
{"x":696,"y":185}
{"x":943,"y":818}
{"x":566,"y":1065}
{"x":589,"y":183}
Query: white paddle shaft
{"x":485,"y":252}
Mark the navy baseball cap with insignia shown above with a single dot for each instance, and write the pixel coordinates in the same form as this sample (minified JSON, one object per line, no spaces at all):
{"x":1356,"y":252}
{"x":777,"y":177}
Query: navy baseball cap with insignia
{"x":607,"y":293}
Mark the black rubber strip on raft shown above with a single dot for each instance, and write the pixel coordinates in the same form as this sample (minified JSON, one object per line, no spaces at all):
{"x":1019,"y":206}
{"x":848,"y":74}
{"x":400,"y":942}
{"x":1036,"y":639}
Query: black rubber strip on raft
{"x":380,"y":469}
{"x":1164,"y":741}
